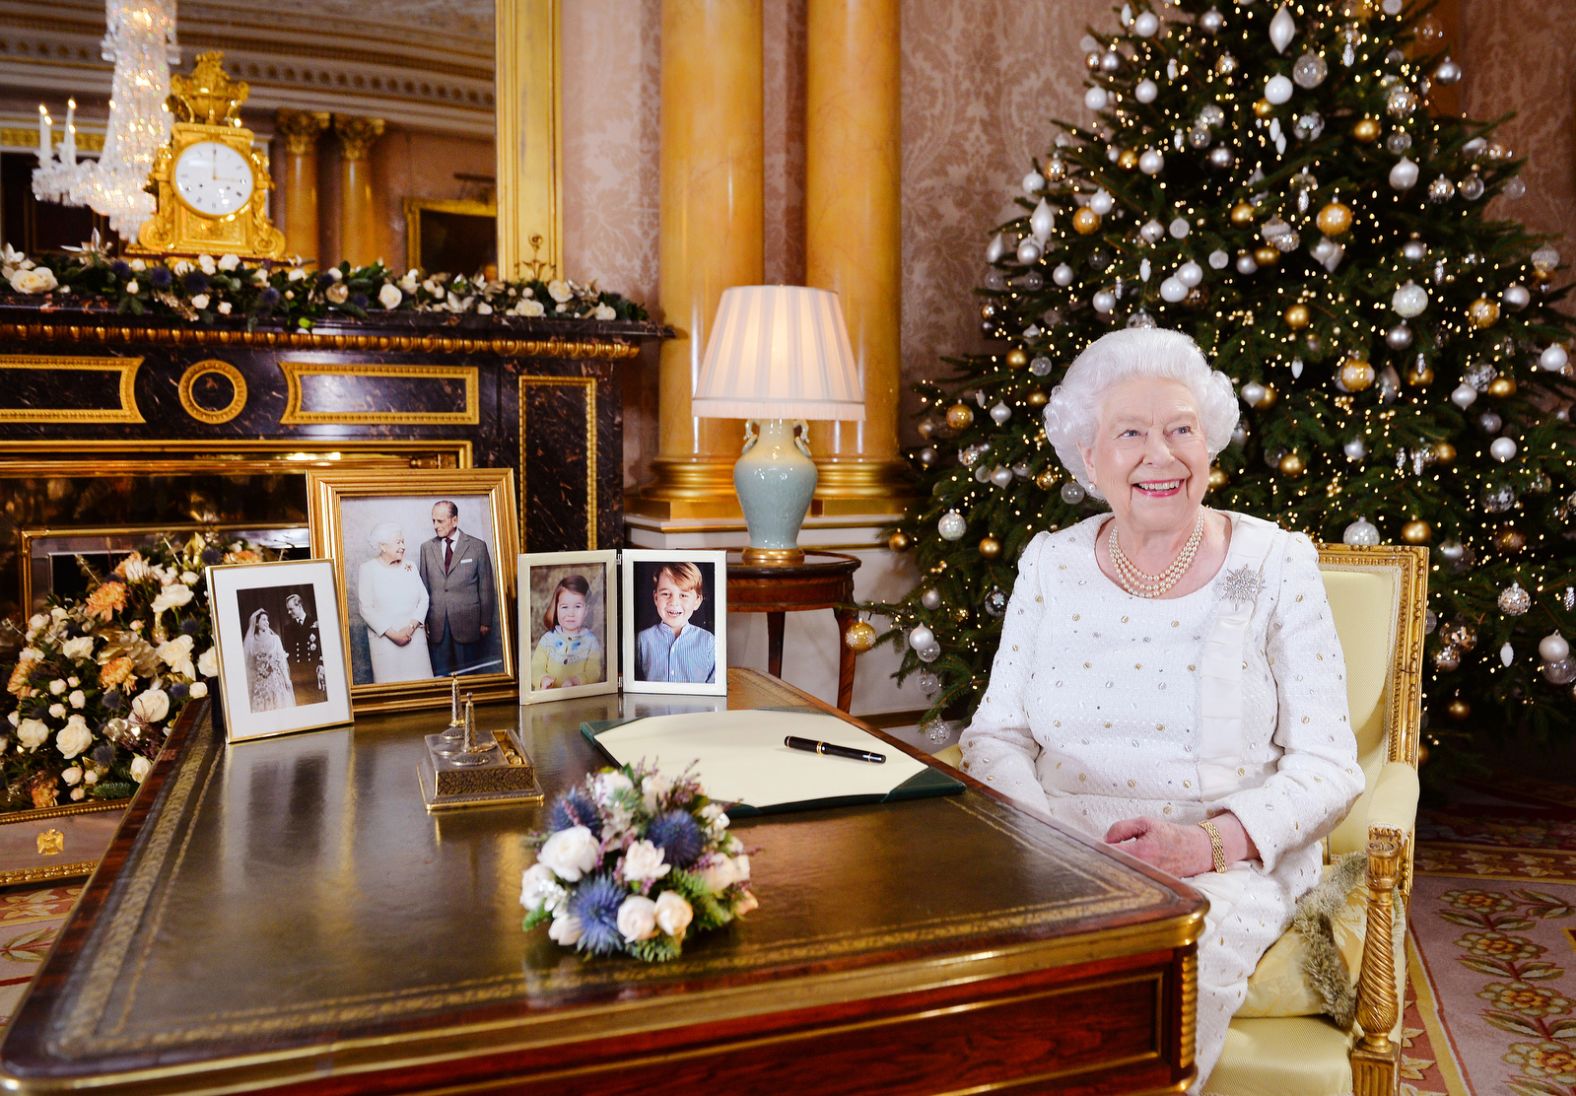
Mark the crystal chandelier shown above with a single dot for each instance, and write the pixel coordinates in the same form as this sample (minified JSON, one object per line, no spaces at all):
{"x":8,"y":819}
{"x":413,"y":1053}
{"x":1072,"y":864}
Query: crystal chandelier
{"x":140,"y":41}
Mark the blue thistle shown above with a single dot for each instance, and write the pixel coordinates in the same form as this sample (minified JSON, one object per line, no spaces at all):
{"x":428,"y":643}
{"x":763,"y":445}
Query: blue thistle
{"x":574,"y":808}
{"x":191,"y":626}
{"x":268,"y":298}
{"x":595,"y":902}
{"x":196,"y":282}
{"x":678,"y":836}
{"x":178,"y":691}
{"x":160,"y":277}
{"x":121,"y":269}
{"x":359,"y":300}
{"x":211,"y":555}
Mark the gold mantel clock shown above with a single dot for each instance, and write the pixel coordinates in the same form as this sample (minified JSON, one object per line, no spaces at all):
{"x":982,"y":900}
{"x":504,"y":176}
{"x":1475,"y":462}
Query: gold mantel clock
{"x":210,"y":183}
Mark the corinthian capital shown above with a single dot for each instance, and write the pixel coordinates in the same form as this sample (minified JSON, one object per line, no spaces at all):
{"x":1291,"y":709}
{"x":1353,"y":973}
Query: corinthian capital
{"x":356,"y":135}
{"x":300,"y":128}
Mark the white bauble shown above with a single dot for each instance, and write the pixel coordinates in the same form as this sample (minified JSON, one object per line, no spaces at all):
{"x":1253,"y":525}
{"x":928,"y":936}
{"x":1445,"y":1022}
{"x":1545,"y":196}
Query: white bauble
{"x":1042,"y":222}
{"x":1190,"y":274}
{"x":1464,"y":396}
{"x":1000,"y":413}
{"x":1152,"y":232}
{"x":1172,"y":290}
{"x":931,"y":598}
{"x":1278,"y":90}
{"x":1361,"y":532}
{"x":1096,"y":98}
{"x":1028,"y":250}
{"x":1553,"y":648}
{"x":1252,"y":393}
{"x":1403,"y":176}
{"x":921,"y":636}
{"x":996,"y":249}
{"x":1246,"y":264}
{"x":1103,"y":301}
{"x":1516,"y":296}
{"x":1283,"y":28}
{"x":1502,"y":449}
{"x":1062,"y":275}
{"x":1553,"y":358}
{"x":1355,"y":449}
{"x":1151,"y":162}
{"x":1101,"y":202}
{"x":1146,"y":25}
{"x":1409,"y":300}
{"x":1033,"y":183}
{"x":1219,"y":260}
{"x":952,"y":526}
{"x":1145,"y":91}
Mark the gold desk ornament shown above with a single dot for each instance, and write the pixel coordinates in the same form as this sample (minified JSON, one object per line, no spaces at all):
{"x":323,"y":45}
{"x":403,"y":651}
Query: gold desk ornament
{"x":476,"y":773}
{"x":51,"y":842}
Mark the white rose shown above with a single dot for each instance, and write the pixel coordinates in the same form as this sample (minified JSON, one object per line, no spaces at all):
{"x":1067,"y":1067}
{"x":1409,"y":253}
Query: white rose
{"x":719,"y":874}
{"x":77,"y":648}
{"x":333,"y":274}
{"x":605,"y":312}
{"x":182,"y":267}
{"x":90,"y":777}
{"x":296,"y":274}
{"x":78,"y":698}
{"x":73,"y":681}
{"x":133,"y":288}
{"x":189,"y":577}
{"x":13,"y":717}
{"x":72,"y":776}
{"x":643,"y":862}
{"x":390,"y":296}
{"x":741,"y":865}
{"x":433,"y":288}
{"x":76,"y":793}
{"x":229,"y":262}
{"x":177,"y":654}
{"x":200,"y":301}
{"x":74,"y":739}
{"x":138,"y":265}
{"x":208,"y":663}
{"x":172,"y":596}
{"x":39,"y":280}
{"x":715,"y":817}
{"x":139,"y":768}
{"x":137,"y":569}
{"x":198,"y":690}
{"x":559,"y":290}
{"x":57,"y":711}
{"x":528,"y":307}
{"x":540,"y":889}
{"x":338,"y":293}
{"x":37,"y":621}
{"x":565,"y":929}
{"x":259,"y":277}
{"x":206,"y":263}
{"x":409,"y":281}
{"x":655,"y":789}
{"x":484,"y":309}
{"x":32,"y":733}
{"x":57,"y":686}
{"x":637,"y":918}
{"x":57,"y":614}
{"x":151,"y":705}
{"x":224,"y":308}
{"x":673,"y":913}
{"x":570,"y":853}
{"x":609,"y":784}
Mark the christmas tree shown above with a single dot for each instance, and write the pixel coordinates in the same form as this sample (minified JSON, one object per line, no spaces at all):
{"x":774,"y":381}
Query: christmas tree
{"x":1271,"y":180}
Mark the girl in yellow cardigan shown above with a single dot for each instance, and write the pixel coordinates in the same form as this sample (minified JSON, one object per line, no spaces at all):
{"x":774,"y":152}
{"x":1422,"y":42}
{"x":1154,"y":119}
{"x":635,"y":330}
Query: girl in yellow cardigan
{"x":568,"y":654}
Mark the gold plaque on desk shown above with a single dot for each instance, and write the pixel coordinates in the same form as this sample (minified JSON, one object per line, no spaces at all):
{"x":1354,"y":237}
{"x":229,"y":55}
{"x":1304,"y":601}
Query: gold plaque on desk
{"x":211,"y":181}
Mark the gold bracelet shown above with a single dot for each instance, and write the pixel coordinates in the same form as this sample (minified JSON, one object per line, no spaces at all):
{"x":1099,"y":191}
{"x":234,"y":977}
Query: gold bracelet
{"x":1217,"y":847}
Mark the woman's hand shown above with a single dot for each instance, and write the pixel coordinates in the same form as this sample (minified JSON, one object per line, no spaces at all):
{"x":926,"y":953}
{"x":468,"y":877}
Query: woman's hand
{"x":1176,"y":850}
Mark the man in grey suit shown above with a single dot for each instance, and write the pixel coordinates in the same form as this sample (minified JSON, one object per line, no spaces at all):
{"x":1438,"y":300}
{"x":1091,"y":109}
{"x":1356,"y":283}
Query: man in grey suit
{"x":457,"y":571}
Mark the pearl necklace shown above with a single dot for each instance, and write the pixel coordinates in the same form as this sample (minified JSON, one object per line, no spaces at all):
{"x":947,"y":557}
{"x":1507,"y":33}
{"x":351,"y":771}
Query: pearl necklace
{"x":1142,"y":584}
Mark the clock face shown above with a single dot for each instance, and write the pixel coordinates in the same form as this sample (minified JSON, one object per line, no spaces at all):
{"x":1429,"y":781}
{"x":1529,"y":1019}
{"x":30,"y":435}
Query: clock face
{"x":213,"y":178}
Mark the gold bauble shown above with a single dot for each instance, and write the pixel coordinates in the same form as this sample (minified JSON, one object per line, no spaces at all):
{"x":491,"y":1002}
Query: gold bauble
{"x":960,"y":416}
{"x":1037,"y":398}
{"x":1263,"y":108}
{"x":990,"y":547}
{"x":1417,"y":531}
{"x":1483,"y":312}
{"x":1420,"y":375}
{"x":1366,"y":129}
{"x":1045,"y":480}
{"x":1356,"y":375}
{"x":1501,"y":387}
{"x":1266,"y":255}
{"x":1541,"y":278}
{"x":1085,"y":221}
{"x":1334,"y":219}
{"x":1444,"y":452}
{"x":1267,"y":400}
{"x":1422,"y":753}
{"x":1509,"y":539}
{"x":1458,"y":708}
{"x":1242,"y":214}
{"x":1297,"y":317}
{"x":860,"y":636}
{"x":1218,"y":478}
{"x":1017,"y":358}
{"x":899,"y":541}
{"x":1127,"y":160}
{"x":1292,"y":465}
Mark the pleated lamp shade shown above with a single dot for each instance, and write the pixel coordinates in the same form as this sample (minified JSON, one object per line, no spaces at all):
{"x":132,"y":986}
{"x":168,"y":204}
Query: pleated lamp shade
{"x":780,"y":352}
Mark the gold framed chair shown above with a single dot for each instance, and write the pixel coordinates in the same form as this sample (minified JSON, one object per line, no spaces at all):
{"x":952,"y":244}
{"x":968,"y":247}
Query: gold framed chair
{"x":1378,"y":596}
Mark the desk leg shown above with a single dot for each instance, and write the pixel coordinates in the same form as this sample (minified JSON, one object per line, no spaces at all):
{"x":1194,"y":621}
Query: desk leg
{"x":845,"y":658}
{"x":774,"y":643}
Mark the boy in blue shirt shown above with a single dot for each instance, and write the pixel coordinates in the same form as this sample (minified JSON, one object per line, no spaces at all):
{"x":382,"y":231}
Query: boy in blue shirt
{"x":673,"y":649}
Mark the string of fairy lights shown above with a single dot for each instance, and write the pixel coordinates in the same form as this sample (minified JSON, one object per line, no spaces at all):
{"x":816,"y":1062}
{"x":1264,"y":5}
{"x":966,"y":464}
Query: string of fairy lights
{"x":1271,"y":180}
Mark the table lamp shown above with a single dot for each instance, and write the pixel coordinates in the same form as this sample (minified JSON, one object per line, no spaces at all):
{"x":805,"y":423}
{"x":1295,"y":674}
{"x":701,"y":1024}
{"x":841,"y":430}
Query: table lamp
{"x":778,"y":355}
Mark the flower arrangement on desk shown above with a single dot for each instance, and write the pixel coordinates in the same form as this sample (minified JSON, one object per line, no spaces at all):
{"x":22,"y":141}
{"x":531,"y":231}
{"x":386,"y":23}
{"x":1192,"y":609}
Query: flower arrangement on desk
{"x":209,"y":289}
{"x":100,"y":681}
{"x":633,"y":862}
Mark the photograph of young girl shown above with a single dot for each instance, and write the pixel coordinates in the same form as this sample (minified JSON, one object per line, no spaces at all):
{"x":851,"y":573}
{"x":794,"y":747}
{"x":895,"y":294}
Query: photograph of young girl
{"x":566,"y":617}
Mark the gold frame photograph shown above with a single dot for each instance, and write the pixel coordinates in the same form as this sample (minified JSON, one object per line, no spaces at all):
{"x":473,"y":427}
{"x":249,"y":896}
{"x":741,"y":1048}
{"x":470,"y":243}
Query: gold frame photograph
{"x":349,"y":510}
{"x":244,"y":600}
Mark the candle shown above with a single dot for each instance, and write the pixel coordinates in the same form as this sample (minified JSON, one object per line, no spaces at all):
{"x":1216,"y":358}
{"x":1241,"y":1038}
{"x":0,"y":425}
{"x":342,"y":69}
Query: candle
{"x":45,"y":144}
{"x":70,"y":154}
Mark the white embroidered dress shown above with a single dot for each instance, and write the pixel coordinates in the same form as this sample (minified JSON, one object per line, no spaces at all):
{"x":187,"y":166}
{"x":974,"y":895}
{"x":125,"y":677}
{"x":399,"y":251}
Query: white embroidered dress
{"x":1104,"y":706}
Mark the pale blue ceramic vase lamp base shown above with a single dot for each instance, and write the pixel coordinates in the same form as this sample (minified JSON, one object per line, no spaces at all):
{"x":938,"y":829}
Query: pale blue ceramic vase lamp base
{"x":775,"y":478}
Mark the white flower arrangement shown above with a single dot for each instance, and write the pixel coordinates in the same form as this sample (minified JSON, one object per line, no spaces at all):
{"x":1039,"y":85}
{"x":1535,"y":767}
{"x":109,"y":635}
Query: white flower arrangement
{"x":632,"y":863}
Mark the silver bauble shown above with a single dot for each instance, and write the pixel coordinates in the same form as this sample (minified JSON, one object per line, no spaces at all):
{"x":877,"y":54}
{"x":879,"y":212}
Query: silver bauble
{"x":1414,"y":251}
{"x":1211,"y":21}
{"x":1309,"y":71}
{"x":952,"y":526}
{"x":1515,"y":188}
{"x":1464,"y":396}
{"x":1409,"y":300}
{"x":1560,"y":671}
{"x":1110,"y":61}
{"x":995,"y":280}
{"x":1447,"y":658}
{"x":981,"y":474}
{"x":1062,"y":275}
{"x":1502,"y":449}
{"x":1448,"y":72}
{"x":1033,"y":183}
{"x":1000,"y":413}
{"x":1452,"y":551}
{"x":1403,"y":176}
{"x":1362,"y":533}
{"x":1103,"y":301}
{"x":1040,"y":365}
{"x":928,"y":682}
{"x":1150,"y":161}
{"x":1211,"y":114}
{"x":1152,"y":231}
{"x":1513,"y":600}
{"x":1516,"y":296}
{"x":1554,"y":648}
{"x":1498,"y":498}
{"x":927,"y":456}
{"x":1073,"y":493}
{"x":1001,"y":476}
{"x":1308,"y":126}
{"x":1471,"y":188}
{"x":921,"y":636}
{"x":1239,"y":435}
{"x":1199,"y":137}
{"x":930,"y":598}
{"x":1028,"y":250}
{"x":1101,"y":202}
{"x":1246,"y":264}
{"x":929,"y":654}
{"x":1221,"y":157}
{"x":1553,"y":358}
{"x":1489,"y":422}
{"x":1355,"y":449}
{"x":1145,"y":91}
{"x":1398,"y":337}
{"x":1252,"y":393}
{"x":996,"y":601}
{"x":1441,"y":190}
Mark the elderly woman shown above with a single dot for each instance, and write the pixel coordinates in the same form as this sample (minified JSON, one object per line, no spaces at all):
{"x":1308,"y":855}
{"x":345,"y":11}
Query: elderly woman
{"x":1169,"y":679}
{"x":394,"y":605}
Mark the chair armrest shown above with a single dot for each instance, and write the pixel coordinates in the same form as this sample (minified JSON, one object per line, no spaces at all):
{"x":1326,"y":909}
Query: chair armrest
{"x":1394,"y":802}
{"x":1376,"y":1053}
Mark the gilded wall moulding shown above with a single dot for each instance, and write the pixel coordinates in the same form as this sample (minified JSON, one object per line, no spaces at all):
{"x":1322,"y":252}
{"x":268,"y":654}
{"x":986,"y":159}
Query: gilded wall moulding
{"x":188,"y":390}
{"x":587,"y":387}
{"x":121,"y":372}
{"x":314,"y":404}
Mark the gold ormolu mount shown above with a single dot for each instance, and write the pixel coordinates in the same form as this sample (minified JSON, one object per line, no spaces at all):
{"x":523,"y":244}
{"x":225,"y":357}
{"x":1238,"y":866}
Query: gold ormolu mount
{"x":463,"y":769}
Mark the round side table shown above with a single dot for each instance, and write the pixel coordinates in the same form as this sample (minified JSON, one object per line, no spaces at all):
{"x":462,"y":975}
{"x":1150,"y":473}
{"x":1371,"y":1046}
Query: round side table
{"x":825,"y":580}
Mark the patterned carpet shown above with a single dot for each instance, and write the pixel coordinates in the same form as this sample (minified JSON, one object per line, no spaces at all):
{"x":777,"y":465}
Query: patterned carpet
{"x":1491,"y":1005}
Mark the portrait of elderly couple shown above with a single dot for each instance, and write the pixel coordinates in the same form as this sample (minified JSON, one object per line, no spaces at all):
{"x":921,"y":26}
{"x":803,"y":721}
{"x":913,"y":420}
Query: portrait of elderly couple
{"x":424,"y":588}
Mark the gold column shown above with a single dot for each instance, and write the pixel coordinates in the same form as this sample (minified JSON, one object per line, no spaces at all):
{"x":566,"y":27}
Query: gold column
{"x":357,"y":214}
{"x":300,"y":130}
{"x":529,"y":134}
{"x":853,"y":121}
{"x":713,"y":172}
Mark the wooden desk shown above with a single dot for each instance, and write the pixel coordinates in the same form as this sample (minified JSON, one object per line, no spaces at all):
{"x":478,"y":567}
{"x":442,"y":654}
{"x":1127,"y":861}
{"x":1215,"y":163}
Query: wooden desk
{"x":825,"y":580}
{"x":284,"y":914}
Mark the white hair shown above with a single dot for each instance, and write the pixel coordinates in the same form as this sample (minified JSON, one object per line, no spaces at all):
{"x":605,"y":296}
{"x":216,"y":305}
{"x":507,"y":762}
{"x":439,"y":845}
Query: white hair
{"x":1073,"y":414}
{"x":384,"y":532}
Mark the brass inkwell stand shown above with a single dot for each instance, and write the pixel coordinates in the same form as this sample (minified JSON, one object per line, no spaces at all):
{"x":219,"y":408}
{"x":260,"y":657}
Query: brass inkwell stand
{"x":466,"y":769}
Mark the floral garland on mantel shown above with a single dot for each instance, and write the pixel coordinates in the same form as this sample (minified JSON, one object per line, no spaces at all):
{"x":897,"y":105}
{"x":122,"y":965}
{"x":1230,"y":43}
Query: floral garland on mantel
{"x":210,"y":290}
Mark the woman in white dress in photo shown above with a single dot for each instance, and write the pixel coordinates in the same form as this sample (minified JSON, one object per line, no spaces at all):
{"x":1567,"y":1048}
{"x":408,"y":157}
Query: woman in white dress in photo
{"x":393,"y":605}
{"x":1169,"y":679}
{"x":268,"y":685}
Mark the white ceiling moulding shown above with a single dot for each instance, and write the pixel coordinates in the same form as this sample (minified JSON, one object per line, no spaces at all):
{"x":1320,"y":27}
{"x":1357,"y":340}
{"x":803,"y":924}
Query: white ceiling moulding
{"x":441,"y":83}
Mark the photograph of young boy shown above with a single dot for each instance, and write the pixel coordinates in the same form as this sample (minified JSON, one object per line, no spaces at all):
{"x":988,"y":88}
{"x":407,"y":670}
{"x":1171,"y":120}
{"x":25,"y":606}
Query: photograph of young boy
{"x":675,"y":648}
